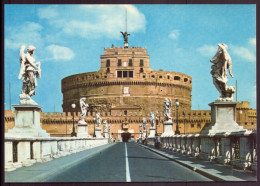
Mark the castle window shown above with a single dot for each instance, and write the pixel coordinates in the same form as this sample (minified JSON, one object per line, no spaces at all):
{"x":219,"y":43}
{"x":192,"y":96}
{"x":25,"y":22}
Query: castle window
{"x":124,"y":74}
{"x":108,"y":70}
{"x":141,"y":70}
{"x":152,"y":76}
{"x":130,"y":62}
{"x":116,"y":53}
{"x":246,"y":123}
{"x":252,"y":123}
{"x":168,"y":77}
{"x":125,"y":112}
{"x":190,"y":81}
{"x":119,"y":63}
{"x":97,"y":77}
{"x":192,"y":125}
{"x":141,"y":62}
{"x":160,"y":77}
{"x":108,"y":63}
{"x":105,"y":76}
{"x":185,"y":79}
{"x":143,"y":76}
{"x":177,"y":78}
{"x":199,"y":126}
{"x":119,"y":74}
{"x":131,"y":74}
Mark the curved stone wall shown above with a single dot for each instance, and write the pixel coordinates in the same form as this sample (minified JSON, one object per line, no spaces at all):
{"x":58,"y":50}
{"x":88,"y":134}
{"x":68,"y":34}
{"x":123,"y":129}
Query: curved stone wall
{"x":146,"y":93}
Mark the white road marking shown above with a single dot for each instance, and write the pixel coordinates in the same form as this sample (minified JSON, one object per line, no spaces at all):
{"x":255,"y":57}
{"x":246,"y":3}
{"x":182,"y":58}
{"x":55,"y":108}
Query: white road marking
{"x":128,"y":178}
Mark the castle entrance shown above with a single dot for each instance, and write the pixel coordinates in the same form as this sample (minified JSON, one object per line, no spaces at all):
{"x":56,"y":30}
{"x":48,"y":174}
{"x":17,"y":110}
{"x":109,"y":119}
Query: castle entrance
{"x":125,"y":136}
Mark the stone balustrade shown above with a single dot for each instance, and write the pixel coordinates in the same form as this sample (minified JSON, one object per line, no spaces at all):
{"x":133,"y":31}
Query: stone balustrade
{"x":237,"y":149}
{"x":27,"y":150}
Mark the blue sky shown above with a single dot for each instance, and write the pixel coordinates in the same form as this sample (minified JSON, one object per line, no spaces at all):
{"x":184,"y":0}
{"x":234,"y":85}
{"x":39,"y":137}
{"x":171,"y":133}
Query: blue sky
{"x":181,"y":38}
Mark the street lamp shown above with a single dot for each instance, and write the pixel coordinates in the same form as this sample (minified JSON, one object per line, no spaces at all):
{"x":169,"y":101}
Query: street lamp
{"x":94,"y":119}
{"x":73,"y":131}
{"x":157,"y":123}
{"x":177,"y":120}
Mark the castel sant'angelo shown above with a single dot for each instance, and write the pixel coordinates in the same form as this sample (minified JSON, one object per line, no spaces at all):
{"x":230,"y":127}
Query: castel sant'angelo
{"x":125,"y":90}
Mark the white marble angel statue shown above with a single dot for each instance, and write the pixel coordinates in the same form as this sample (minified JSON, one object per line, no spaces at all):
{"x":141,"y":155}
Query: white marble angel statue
{"x":29,"y":70}
{"x":153,"y":119}
{"x":167,"y":109}
{"x":105,"y":126}
{"x":98,"y":119}
{"x":221,"y":64}
{"x":83,"y":110}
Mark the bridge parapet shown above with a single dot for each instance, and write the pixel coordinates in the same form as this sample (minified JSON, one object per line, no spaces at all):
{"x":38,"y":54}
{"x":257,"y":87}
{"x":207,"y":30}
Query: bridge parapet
{"x":26,"y":151}
{"x":237,"y":149}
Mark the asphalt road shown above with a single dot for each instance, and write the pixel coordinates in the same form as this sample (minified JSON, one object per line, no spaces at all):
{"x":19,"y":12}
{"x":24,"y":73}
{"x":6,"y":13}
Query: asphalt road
{"x":126,"y":162}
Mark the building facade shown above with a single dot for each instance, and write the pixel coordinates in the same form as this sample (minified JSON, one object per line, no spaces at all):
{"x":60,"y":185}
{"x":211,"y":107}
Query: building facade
{"x":125,"y":90}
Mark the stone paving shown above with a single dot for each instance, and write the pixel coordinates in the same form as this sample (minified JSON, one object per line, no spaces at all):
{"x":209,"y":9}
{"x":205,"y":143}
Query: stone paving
{"x":217,"y":172}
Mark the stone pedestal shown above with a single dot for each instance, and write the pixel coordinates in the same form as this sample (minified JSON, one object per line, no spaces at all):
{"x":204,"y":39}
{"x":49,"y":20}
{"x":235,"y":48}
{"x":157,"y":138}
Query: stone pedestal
{"x":106,"y":135}
{"x":144,"y":134}
{"x":152,"y":132}
{"x":83,"y":130}
{"x":223,"y":118}
{"x":27,"y":122}
{"x":167,"y":129}
{"x":98,"y":132}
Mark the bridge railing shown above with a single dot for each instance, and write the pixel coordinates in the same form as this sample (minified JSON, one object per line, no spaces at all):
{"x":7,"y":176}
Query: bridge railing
{"x":236,"y":149}
{"x":26,"y":151}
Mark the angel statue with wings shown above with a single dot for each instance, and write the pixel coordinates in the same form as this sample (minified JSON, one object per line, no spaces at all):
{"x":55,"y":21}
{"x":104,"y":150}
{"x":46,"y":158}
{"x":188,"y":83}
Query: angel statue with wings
{"x":221,"y":64}
{"x":98,"y":119}
{"x":83,"y":110}
{"x":29,"y":70}
{"x":167,"y":109}
{"x":153,"y":118}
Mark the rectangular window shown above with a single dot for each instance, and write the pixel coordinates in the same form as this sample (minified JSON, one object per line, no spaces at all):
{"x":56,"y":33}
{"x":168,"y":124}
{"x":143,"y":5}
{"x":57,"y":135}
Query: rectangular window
{"x":141,"y":62}
{"x":108,"y":70}
{"x":119,"y":63}
{"x":131,"y":74}
{"x":141,"y":70}
{"x":108,"y":63}
{"x":130,"y":62}
{"x":119,"y":74}
{"x":124,"y":74}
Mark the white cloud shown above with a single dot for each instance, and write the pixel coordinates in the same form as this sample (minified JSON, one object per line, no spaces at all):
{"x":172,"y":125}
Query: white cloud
{"x":243,"y":53}
{"x":174,"y":34}
{"x":25,"y":34}
{"x":60,"y":53}
{"x":48,"y":12}
{"x":207,"y":50}
{"x":94,"y":21}
{"x":252,"y":41}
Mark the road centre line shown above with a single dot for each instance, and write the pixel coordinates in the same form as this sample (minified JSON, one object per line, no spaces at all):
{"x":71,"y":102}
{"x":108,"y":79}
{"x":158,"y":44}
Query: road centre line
{"x":128,"y":178}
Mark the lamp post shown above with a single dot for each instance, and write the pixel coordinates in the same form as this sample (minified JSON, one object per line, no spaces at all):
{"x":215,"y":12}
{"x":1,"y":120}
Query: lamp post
{"x":146,"y":125}
{"x":94,"y":119}
{"x":73,"y":129}
{"x":177,"y":120}
{"x":157,"y":123}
